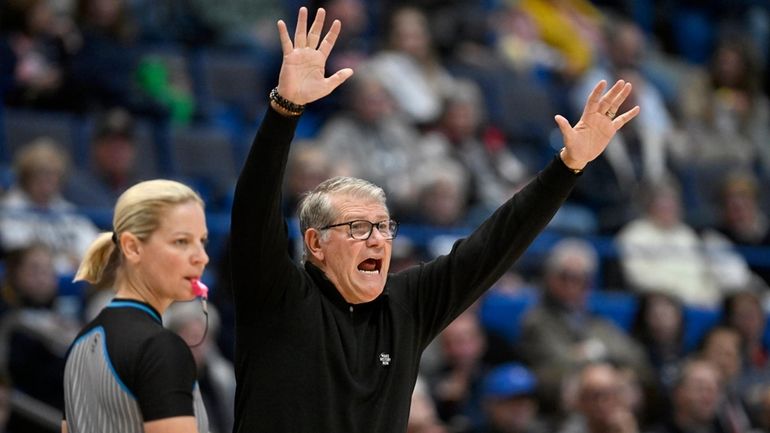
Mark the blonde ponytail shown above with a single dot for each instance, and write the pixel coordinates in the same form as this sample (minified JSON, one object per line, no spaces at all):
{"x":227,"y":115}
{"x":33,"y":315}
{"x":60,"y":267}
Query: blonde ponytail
{"x":100,"y":261}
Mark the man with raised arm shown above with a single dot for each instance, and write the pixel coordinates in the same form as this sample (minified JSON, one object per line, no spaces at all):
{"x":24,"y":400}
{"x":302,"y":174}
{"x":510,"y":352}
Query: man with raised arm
{"x":333,"y":345}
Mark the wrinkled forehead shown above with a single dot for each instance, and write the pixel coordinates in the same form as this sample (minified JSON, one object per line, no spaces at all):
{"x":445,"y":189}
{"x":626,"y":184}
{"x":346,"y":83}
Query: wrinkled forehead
{"x":358,"y":206}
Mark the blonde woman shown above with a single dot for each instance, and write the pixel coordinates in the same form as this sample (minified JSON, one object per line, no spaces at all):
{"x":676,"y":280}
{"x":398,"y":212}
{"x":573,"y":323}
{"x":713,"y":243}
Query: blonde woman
{"x":125,"y":372}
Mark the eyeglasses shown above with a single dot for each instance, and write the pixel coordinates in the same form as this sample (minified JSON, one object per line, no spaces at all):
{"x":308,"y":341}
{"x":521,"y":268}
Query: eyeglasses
{"x":566,"y":275}
{"x":362,"y":229}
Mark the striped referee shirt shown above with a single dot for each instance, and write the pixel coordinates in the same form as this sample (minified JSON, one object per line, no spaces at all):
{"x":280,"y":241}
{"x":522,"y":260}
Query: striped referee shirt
{"x":125,"y":369}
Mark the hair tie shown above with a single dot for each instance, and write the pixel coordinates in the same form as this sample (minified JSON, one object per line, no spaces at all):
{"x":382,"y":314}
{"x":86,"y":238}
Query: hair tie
{"x":114,"y":238}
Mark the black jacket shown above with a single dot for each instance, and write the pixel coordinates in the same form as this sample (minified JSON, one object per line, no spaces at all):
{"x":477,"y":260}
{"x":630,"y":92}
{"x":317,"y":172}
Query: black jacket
{"x":309,"y":362}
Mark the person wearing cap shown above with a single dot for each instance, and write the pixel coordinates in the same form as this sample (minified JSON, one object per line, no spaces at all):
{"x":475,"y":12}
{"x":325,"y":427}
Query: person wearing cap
{"x":509,"y":401}
{"x":113,"y":165}
{"x":334,"y":344}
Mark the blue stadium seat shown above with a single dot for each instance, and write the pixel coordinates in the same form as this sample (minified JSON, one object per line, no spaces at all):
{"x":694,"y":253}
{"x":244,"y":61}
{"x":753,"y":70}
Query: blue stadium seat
{"x":697,"y":322}
{"x":22,"y":126}
{"x":502,"y":313}
{"x":618,"y":307}
{"x":230,"y":86}
{"x":205,"y":156}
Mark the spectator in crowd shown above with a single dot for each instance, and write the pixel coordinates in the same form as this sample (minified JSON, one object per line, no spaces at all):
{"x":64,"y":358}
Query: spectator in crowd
{"x":572,"y":28}
{"x":357,"y":43}
{"x":34,"y":50}
{"x":640,"y":153}
{"x":456,"y":389}
{"x":509,"y":401}
{"x":371,"y":140}
{"x":34,"y":335}
{"x":722,"y":347}
{"x":743,"y":220}
{"x":463,"y":135}
{"x":743,"y":312}
{"x":34,"y":210}
{"x":114,"y":166}
{"x":103,"y":69}
{"x":354,"y":46}
{"x":422,"y":414}
{"x":170,"y":22}
{"x":695,"y":397}
{"x":561,"y":334}
{"x":409,"y":67}
{"x":477,"y":32}
{"x":442,"y":196}
{"x":216,"y":378}
{"x":637,"y":156}
{"x":308,"y":165}
{"x":626,"y":51}
{"x":727,"y":118}
{"x":659,"y":327}
{"x":599,"y":403}
{"x":246,"y":24}
{"x":518,"y":42}
{"x":660,"y":251}
{"x":638,"y":396}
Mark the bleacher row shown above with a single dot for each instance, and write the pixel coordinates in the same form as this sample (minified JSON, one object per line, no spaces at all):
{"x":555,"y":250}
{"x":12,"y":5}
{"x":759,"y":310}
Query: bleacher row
{"x":499,"y":312}
{"x":502,"y":314}
{"x":229,"y":89}
{"x":226,"y":86}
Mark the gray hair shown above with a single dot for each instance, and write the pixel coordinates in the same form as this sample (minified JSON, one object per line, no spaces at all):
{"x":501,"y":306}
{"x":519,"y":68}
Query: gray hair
{"x":315,"y":210}
{"x":566,"y":249}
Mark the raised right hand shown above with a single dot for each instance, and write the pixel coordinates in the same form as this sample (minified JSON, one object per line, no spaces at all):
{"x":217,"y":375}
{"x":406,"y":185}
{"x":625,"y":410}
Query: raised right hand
{"x":302,"y":78}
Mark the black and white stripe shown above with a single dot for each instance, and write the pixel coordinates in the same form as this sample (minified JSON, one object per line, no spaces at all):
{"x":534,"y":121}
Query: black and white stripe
{"x":99,"y":401}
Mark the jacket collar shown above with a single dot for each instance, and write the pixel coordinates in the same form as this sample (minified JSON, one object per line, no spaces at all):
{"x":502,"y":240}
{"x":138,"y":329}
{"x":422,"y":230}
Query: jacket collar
{"x":329,"y":290}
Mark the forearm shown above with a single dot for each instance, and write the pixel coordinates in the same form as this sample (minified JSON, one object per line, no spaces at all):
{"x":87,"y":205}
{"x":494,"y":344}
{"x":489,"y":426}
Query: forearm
{"x":451,"y":283}
{"x":505,"y":236}
{"x":257,"y":198}
{"x":258,"y":235}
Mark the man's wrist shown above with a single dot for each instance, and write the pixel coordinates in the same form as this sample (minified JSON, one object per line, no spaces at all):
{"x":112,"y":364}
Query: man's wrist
{"x":283,"y":105}
{"x":282,"y":111}
{"x":570,"y":163}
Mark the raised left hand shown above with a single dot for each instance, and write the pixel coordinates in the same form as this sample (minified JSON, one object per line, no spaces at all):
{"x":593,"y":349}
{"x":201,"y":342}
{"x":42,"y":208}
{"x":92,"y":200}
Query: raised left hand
{"x":589,"y":137}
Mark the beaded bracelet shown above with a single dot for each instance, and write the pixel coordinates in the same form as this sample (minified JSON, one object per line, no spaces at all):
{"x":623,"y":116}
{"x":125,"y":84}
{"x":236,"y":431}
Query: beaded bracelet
{"x":284,"y":103}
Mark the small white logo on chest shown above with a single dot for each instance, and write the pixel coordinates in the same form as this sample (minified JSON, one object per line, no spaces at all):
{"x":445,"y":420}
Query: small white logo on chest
{"x":385,"y":359}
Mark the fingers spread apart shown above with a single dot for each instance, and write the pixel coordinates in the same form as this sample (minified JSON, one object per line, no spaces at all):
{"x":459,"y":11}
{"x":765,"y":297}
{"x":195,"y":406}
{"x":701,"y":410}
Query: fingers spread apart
{"x":309,"y":39}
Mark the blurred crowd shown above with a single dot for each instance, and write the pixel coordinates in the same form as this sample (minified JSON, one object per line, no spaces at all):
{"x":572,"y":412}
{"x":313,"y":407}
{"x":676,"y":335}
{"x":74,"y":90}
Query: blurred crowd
{"x":643,"y":306}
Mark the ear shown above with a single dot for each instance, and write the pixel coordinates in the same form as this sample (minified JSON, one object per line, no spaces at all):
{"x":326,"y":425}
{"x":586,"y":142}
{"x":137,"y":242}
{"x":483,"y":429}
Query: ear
{"x":313,"y":244}
{"x":131,"y":247}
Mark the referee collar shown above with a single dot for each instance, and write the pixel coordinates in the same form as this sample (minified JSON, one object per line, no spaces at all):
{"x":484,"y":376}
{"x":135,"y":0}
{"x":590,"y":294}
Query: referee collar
{"x":139,"y":305}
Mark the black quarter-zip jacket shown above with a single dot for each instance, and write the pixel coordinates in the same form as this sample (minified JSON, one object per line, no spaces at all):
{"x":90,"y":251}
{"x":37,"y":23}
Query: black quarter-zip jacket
{"x":309,"y":362}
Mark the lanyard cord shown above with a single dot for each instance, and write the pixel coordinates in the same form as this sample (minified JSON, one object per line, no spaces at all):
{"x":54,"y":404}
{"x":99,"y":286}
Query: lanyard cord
{"x":205,"y":308}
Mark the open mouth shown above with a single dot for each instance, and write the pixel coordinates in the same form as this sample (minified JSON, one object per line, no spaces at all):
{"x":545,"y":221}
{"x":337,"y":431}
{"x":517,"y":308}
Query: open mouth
{"x":370,"y":266}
